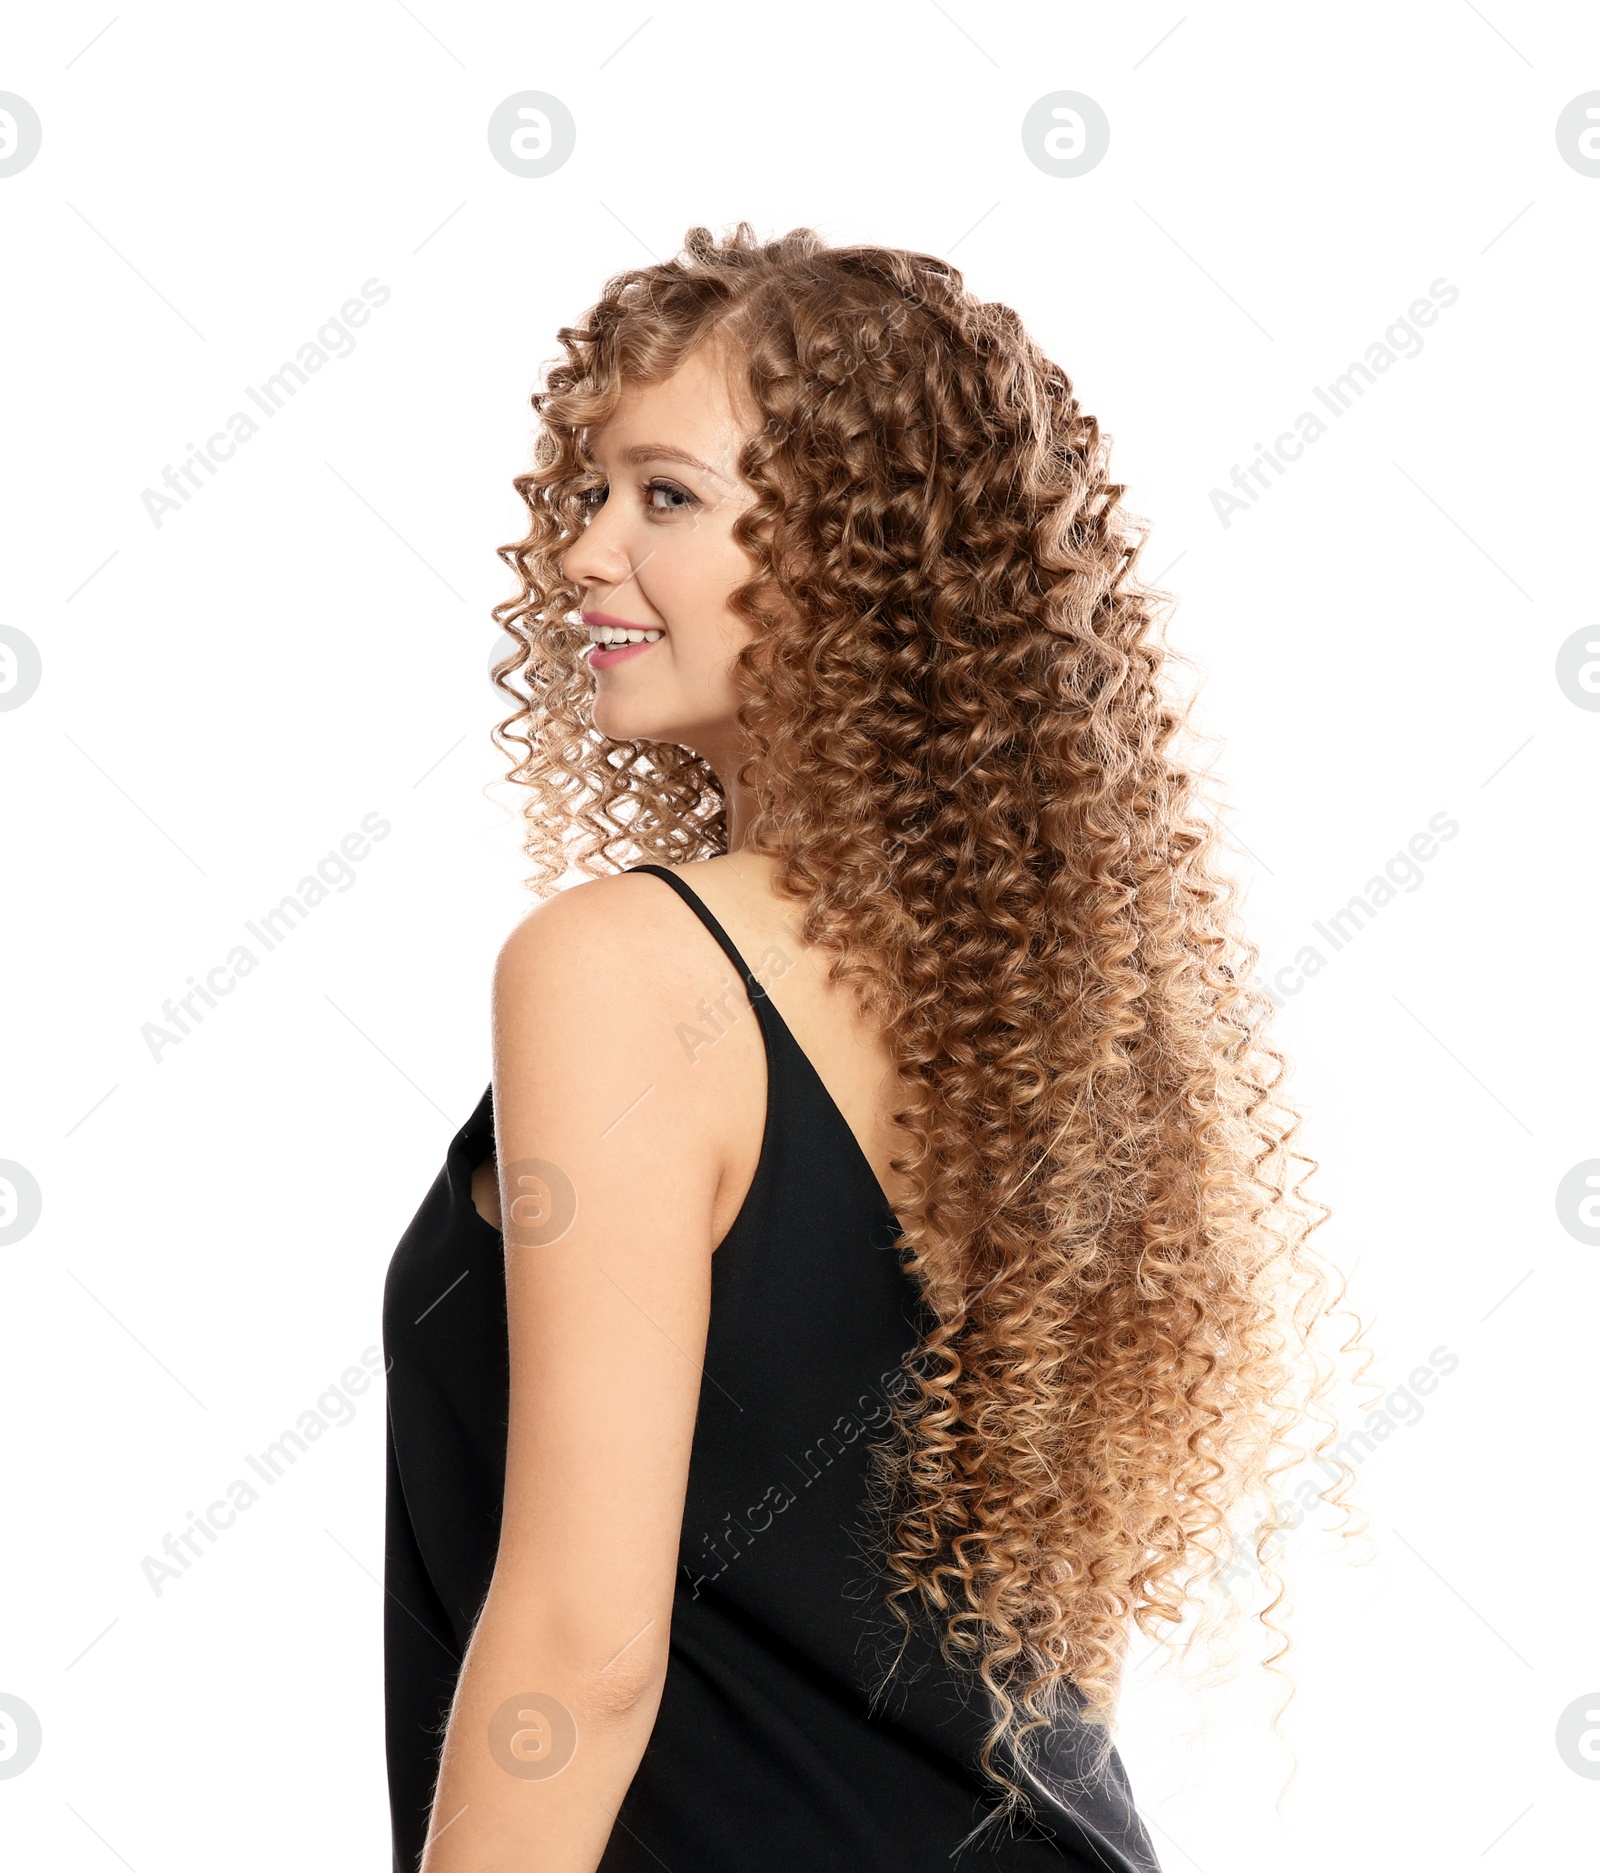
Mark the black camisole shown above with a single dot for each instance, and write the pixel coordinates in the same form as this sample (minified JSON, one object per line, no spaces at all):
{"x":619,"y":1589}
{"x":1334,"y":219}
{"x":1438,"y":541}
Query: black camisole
{"x":770,"y":1753}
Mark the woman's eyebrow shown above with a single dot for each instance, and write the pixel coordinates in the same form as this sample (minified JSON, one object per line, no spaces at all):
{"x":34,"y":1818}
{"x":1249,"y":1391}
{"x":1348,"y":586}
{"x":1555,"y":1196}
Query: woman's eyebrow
{"x":665,"y":452}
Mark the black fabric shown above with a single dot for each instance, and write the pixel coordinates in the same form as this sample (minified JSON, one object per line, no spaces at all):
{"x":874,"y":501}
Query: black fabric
{"x":769,"y":1753}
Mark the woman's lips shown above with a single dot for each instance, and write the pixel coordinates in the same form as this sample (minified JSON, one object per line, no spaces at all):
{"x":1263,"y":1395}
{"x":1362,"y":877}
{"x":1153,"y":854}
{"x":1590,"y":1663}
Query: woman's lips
{"x":602,"y":656}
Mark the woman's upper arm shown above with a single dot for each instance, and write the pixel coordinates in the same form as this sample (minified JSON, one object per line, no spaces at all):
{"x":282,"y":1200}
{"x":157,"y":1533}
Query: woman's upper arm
{"x":609,"y":1160}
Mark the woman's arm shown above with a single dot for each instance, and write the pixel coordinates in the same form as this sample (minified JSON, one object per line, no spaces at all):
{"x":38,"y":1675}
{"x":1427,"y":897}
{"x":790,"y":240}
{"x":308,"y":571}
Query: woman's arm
{"x":609,"y":1147}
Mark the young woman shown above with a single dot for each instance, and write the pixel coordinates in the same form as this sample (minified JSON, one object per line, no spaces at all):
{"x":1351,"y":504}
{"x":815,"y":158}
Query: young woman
{"x":873,"y":1280}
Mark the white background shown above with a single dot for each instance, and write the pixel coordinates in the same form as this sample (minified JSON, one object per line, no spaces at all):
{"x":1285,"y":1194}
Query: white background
{"x":224,"y":697}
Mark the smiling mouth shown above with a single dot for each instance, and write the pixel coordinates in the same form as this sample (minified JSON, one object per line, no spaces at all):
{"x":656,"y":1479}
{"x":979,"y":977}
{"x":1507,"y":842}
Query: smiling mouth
{"x":607,"y":634}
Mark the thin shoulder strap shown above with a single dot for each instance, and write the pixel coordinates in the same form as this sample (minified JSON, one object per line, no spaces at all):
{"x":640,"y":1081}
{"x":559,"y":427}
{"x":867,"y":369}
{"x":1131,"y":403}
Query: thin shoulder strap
{"x":753,"y":988}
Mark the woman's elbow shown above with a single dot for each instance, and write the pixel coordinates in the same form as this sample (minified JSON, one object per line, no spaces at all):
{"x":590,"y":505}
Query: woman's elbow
{"x":602,"y":1672}
{"x":622,"y":1694}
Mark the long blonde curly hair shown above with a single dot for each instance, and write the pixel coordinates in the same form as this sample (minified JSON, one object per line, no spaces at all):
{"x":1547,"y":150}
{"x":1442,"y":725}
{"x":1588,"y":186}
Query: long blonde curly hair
{"x":961,"y":753}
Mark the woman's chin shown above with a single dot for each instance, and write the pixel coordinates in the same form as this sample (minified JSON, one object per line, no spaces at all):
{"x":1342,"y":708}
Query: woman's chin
{"x":621,"y":718}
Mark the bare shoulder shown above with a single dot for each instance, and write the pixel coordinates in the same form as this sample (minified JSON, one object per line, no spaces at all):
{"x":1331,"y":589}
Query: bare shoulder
{"x":596,"y":910}
{"x":626,"y":943}
{"x":738,"y":889}
{"x":630,"y":922}
{"x":599,"y":996}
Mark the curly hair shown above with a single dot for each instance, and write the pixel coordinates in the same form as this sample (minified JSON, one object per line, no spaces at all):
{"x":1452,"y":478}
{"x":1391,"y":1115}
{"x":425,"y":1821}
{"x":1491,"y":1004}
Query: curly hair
{"x":963,"y":757}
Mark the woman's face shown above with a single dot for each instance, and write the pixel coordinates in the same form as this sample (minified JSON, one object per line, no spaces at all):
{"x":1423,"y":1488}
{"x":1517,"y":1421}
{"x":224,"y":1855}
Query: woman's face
{"x":657,"y":554}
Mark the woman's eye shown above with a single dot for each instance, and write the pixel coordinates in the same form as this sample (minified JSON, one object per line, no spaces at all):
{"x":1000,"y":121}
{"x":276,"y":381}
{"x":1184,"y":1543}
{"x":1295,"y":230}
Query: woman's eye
{"x":678,"y":498}
{"x":674,"y":500}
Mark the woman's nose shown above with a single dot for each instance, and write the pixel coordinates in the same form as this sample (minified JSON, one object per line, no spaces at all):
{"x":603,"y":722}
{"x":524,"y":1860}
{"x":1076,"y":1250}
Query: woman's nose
{"x":596,"y":557}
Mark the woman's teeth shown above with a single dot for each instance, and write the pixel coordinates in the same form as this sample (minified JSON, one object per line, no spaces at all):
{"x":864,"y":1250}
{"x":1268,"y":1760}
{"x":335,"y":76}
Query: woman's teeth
{"x":614,"y":634}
